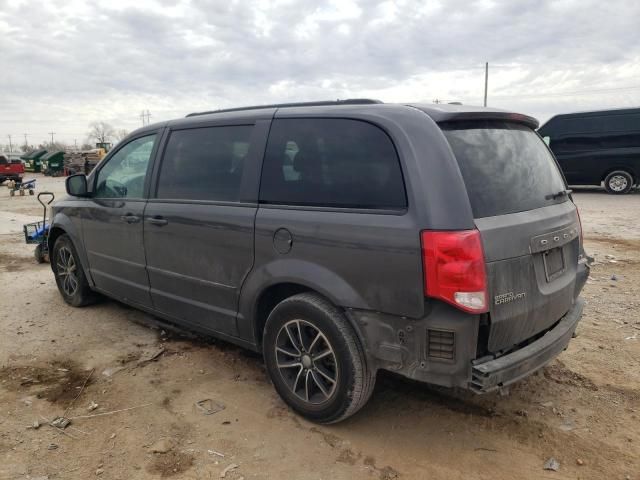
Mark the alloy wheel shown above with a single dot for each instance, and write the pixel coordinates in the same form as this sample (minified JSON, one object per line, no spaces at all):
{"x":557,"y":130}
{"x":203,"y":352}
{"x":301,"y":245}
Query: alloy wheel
{"x":67,"y":271}
{"x":306,"y":361}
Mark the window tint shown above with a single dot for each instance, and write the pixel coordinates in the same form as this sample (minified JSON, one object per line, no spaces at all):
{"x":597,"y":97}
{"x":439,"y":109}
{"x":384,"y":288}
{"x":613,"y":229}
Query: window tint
{"x":204,"y":163}
{"x":331,"y":162}
{"x":506,"y":167}
{"x":124,"y":174}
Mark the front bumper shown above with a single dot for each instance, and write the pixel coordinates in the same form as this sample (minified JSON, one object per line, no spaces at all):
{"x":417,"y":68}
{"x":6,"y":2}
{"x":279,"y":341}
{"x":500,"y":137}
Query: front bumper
{"x":502,"y":371}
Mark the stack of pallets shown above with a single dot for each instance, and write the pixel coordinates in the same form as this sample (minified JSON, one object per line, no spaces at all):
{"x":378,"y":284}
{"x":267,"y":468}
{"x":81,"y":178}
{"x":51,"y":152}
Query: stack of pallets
{"x":74,"y":162}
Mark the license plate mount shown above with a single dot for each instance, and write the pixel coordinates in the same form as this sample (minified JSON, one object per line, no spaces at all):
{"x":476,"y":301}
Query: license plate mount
{"x":554,"y":264}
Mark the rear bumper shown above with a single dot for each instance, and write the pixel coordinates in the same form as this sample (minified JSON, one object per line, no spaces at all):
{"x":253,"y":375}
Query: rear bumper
{"x":500,"y":372}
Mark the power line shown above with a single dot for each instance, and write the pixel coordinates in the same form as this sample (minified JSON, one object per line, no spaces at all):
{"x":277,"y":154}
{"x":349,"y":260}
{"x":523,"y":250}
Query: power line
{"x":570,"y":94}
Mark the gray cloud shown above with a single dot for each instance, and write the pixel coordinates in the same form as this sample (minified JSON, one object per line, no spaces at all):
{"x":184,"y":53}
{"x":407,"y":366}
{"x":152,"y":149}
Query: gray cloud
{"x":64,"y":67}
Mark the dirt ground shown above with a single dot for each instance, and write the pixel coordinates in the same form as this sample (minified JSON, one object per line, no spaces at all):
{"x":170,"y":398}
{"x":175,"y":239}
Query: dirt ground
{"x":130,"y":387}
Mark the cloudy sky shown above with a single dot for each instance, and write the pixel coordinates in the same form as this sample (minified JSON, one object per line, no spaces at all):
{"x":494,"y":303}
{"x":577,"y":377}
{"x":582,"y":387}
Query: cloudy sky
{"x":66,"y":63}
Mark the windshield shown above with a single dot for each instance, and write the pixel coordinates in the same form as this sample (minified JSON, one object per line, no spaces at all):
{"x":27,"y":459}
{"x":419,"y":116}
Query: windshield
{"x":506,"y":167}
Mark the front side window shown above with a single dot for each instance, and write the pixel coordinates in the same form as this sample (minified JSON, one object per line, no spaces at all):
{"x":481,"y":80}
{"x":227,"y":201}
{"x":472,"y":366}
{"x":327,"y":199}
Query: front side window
{"x":124,"y":174}
{"x":331,"y":163}
{"x":204,"y":163}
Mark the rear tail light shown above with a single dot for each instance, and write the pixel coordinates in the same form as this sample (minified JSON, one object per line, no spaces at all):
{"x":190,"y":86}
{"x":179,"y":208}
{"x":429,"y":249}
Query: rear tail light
{"x":454,"y":269}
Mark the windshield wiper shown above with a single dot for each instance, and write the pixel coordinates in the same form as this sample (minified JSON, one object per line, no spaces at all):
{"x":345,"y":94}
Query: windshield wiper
{"x":561,"y":193}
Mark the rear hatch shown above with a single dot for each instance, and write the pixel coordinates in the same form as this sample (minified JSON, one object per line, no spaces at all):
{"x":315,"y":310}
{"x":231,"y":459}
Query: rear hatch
{"x":529,"y":226}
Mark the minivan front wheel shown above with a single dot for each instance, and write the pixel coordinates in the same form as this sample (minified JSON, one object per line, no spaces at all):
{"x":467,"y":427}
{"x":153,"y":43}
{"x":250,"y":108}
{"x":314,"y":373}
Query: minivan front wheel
{"x":315,"y":359}
{"x":70,"y":278}
{"x":618,"y":182}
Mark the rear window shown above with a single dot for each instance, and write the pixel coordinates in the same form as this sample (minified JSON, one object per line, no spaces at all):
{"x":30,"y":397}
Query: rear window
{"x":506,"y":167}
{"x":331,"y":163}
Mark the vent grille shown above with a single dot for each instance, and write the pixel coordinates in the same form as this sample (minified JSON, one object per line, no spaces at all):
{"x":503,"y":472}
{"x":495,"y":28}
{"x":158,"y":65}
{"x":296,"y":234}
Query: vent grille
{"x":441,"y":344}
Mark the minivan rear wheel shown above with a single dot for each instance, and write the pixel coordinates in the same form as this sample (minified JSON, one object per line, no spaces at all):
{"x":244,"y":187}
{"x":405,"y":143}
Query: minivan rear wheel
{"x":618,"y":182}
{"x":315,"y":359}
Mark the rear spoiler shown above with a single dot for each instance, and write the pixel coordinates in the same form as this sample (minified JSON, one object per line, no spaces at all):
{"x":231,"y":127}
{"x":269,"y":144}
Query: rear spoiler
{"x":455,"y":113}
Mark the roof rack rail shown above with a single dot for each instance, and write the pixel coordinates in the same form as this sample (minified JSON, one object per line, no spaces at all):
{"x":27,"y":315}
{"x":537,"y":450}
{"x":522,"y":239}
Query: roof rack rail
{"x":348,"y":101}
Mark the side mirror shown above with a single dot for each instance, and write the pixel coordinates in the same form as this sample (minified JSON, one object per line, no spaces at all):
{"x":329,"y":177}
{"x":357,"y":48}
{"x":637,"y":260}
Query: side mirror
{"x":77,"y":185}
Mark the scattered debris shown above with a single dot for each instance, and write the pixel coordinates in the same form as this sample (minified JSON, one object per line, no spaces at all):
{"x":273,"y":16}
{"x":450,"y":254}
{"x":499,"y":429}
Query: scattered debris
{"x":209,"y":407}
{"x":100,"y":471}
{"x":52,"y":446}
{"x":35,"y":425}
{"x":213,"y":452}
{"x":614,"y":277}
{"x":60,"y":422}
{"x":112,"y":436}
{"x":162,"y":446}
{"x":92,"y":406}
{"x":579,"y":461}
{"x":552,"y":464}
{"x":632,"y":337}
{"x":111,"y":371}
{"x":227,"y":469}
{"x":111,"y":413}
{"x":150,"y":357}
{"x":522,"y":413}
{"x":80,"y":392}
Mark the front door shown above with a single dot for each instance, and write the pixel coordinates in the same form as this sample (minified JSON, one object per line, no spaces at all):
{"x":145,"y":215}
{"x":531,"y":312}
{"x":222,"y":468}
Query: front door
{"x":198,"y":233}
{"x":112,"y":223}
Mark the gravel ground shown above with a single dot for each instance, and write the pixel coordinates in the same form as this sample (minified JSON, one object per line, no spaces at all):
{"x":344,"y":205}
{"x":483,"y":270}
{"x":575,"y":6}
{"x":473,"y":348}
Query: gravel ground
{"x":581,"y":410}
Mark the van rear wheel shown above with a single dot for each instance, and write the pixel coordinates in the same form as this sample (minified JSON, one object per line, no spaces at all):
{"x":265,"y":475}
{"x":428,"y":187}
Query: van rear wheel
{"x":315,"y":360}
{"x":618,"y":182}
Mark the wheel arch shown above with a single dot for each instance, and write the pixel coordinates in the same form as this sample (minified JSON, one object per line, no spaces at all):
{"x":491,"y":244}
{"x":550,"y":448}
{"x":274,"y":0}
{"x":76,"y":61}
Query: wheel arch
{"x":260,"y":296}
{"x":62,"y":225}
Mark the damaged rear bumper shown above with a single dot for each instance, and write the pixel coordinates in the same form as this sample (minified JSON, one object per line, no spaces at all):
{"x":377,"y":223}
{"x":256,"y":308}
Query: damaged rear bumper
{"x":502,"y":371}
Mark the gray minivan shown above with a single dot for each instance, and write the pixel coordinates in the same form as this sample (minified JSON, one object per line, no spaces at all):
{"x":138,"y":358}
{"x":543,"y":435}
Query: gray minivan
{"x":338,"y":238}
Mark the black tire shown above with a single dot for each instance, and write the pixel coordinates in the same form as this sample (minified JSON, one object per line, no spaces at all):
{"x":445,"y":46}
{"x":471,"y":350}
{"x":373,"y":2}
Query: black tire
{"x":72,"y":284}
{"x":618,"y":182}
{"x":325,"y":402}
{"x":38,"y":253}
{"x":31,"y":191}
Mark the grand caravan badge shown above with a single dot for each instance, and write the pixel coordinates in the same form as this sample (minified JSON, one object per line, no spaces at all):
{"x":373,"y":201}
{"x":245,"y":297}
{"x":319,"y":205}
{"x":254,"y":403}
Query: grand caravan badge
{"x":508,"y":297}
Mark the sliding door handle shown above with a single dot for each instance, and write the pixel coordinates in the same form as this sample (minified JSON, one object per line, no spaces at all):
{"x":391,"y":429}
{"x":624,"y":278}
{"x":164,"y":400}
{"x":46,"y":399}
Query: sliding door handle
{"x":129,"y":218}
{"x":158,"y":221}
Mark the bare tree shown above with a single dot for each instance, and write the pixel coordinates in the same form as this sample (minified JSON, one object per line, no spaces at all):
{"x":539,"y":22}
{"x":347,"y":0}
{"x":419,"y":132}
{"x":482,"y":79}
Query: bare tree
{"x":120,"y":134}
{"x":101,"y":132}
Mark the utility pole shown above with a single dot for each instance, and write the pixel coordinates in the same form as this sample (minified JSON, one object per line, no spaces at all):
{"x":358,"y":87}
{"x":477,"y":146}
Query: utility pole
{"x":145,"y":117}
{"x":10,"y":145}
{"x":52,"y":134}
{"x":486,"y":81}
{"x":75,"y":142}
{"x":26,"y":144}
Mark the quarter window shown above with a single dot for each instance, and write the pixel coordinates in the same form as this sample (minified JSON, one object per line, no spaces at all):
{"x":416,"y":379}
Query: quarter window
{"x":124,"y":174}
{"x":204,"y":163}
{"x":332,"y":163}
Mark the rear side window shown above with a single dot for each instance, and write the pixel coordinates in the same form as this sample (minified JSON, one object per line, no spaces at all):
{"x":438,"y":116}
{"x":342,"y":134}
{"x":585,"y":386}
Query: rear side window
{"x":332,"y":163}
{"x":204,"y":164}
{"x":506,"y":167}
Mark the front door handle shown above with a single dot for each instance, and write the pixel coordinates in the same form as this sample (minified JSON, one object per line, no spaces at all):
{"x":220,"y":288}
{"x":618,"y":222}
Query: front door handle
{"x":158,"y":221}
{"x":129,"y":218}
